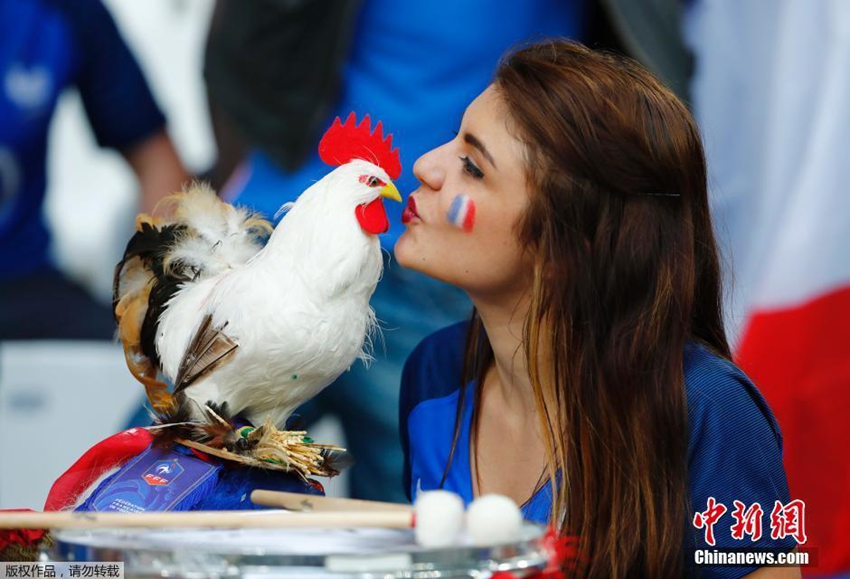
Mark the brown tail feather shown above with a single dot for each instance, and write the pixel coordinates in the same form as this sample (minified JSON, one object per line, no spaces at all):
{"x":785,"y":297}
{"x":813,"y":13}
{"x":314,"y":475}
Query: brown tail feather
{"x":165,"y":253}
{"x":132,"y":288}
{"x":162,"y":401}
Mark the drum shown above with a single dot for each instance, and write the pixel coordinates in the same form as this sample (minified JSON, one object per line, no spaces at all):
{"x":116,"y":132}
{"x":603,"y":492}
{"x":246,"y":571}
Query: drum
{"x":296,"y":553}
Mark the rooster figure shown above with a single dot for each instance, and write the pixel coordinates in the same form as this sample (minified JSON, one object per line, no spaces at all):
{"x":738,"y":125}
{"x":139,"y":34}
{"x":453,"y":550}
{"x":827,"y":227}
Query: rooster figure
{"x":246,"y":321}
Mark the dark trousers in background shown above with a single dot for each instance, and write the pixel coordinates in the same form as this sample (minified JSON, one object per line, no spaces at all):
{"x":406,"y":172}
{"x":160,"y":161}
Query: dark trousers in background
{"x":46,"y":305}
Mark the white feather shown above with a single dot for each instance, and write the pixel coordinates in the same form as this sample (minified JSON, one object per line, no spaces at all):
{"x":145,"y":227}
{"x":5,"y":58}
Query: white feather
{"x":222,"y":236}
{"x":298,"y":310}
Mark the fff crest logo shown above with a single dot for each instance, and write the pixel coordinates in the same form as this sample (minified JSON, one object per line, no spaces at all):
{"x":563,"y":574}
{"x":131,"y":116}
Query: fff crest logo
{"x":163,"y":472}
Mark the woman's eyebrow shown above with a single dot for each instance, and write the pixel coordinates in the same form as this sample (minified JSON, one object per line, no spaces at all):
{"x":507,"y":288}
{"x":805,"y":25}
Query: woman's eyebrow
{"x":473,"y":140}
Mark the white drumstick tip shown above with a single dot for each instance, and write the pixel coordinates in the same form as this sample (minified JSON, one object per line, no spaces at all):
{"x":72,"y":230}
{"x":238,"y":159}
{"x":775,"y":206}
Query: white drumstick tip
{"x":493,"y":519}
{"x":439,"y":518}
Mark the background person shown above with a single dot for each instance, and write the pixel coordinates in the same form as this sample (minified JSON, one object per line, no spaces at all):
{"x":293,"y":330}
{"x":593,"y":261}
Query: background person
{"x":46,"y":47}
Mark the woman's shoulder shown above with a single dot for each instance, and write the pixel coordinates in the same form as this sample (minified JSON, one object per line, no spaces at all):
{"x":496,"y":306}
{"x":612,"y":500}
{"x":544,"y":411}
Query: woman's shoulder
{"x":734,"y":451}
{"x":717,"y":389}
{"x":428,"y":402}
{"x":434,"y":368}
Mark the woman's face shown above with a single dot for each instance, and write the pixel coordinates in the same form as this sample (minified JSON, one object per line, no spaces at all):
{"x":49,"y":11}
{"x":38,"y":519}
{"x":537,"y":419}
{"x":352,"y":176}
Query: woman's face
{"x":461,"y":220}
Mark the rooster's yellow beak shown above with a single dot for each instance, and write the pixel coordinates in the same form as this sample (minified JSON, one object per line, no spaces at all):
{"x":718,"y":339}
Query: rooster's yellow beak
{"x":390,"y":192}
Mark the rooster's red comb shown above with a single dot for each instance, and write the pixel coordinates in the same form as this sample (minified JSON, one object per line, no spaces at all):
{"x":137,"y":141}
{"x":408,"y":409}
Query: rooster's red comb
{"x":344,"y":142}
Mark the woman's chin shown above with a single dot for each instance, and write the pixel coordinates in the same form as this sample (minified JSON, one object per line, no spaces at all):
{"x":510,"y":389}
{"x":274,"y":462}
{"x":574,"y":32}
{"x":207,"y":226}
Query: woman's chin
{"x":404,"y":252}
{"x":409,"y":254}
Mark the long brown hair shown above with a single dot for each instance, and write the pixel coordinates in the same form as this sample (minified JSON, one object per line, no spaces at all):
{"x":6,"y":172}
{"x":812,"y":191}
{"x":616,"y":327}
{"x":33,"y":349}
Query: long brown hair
{"x":626,"y":272}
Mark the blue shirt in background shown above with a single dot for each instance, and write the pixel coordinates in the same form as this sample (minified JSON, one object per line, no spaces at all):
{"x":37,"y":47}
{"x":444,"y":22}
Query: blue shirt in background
{"x":416,"y":65}
{"x":46,"y":46}
{"x":734,"y":453}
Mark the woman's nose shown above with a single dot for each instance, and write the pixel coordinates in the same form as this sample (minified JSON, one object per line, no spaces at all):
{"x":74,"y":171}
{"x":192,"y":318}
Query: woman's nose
{"x":429,"y":170}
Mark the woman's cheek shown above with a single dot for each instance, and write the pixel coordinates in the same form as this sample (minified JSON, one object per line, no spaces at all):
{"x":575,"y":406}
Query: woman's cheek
{"x":461,"y":213}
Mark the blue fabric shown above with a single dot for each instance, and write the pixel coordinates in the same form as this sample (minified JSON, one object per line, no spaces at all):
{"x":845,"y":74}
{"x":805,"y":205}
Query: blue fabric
{"x":157,"y":479}
{"x":235,"y":485}
{"x":229,"y":489}
{"x":46,"y":46}
{"x":416,"y":65}
{"x":735,"y":445}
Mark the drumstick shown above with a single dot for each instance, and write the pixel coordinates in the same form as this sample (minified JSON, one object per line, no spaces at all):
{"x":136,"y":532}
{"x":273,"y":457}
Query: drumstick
{"x":207,"y":519}
{"x":316,"y":503}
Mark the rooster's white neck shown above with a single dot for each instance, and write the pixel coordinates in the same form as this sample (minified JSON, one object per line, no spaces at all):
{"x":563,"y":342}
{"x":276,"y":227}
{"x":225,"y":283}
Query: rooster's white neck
{"x":330,"y":253}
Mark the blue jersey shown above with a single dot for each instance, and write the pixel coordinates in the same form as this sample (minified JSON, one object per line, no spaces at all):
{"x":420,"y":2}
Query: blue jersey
{"x":46,"y":46}
{"x":734,"y":454}
{"x":416,"y":65}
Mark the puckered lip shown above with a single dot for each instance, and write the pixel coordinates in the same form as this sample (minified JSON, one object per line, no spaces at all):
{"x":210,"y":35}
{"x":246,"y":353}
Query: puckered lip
{"x":409,"y":214}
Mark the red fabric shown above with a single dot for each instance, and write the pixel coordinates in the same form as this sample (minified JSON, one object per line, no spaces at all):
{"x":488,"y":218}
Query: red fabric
{"x":23,"y":537}
{"x":109,"y":453}
{"x":563,"y":555}
{"x":800,"y":360}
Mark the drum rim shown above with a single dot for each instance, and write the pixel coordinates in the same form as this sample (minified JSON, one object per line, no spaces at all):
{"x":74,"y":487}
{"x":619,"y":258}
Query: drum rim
{"x":529,"y":553}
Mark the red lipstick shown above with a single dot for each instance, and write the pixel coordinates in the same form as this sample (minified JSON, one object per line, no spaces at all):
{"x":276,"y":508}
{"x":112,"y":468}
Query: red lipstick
{"x":409,"y":213}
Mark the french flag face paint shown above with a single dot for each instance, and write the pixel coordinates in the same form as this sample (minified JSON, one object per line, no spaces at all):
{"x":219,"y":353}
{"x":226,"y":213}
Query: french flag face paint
{"x":461,"y":214}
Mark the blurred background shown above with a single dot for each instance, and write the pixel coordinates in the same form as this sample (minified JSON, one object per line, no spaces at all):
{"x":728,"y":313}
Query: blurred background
{"x":106,"y":107}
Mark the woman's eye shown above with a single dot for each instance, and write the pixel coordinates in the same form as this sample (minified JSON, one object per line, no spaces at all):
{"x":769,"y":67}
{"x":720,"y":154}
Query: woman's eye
{"x":470,"y":168}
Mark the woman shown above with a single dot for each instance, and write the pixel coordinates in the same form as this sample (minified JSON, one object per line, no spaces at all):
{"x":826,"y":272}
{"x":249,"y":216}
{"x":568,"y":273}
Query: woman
{"x":595,"y":387}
